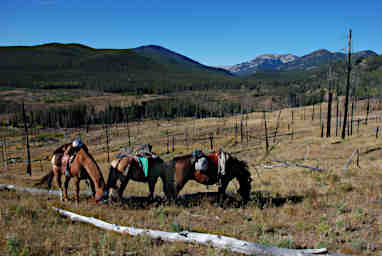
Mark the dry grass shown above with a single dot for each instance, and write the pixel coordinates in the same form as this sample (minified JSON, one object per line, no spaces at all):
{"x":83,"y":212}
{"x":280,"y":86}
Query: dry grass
{"x":290,"y":207}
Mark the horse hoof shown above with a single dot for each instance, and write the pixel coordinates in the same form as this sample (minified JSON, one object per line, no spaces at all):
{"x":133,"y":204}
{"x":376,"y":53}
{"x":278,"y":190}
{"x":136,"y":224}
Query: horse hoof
{"x":103,"y":201}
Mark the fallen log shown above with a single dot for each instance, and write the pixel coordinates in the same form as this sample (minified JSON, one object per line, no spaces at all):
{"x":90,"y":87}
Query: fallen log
{"x":287,"y":163}
{"x":38,"y":190}
{"x":217,"y":241}
{"x":275,"y":165}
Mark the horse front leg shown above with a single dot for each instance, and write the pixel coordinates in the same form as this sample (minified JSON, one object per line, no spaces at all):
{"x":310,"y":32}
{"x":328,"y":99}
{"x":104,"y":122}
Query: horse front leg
{"x":92,"y":187}
{"x":152,"y":183}
{"x":66,"y":185}
{"x":124,"y":181}
{"x":221,"y":191}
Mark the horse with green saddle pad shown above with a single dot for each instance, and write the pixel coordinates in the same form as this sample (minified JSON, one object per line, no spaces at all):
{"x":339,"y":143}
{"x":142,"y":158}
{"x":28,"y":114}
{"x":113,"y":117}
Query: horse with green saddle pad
{"x":143,"y":166}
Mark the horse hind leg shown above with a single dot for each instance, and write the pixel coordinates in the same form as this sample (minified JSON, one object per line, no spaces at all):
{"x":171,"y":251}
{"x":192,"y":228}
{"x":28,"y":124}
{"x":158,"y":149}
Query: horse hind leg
{"x":59,"y":184}
{"x":169,"y":187}
{"x":77,"y":184}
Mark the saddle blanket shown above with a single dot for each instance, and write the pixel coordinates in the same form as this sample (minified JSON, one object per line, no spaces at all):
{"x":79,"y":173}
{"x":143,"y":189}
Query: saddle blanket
{"x":145,"y":165}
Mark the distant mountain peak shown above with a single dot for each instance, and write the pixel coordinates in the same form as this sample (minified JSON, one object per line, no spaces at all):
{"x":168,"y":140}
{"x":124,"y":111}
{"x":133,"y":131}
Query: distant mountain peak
{"x":267,"y":61}
{"x":291,"y":62}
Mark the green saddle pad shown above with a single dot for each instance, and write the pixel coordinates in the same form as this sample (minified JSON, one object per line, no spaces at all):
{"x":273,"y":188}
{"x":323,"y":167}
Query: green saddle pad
{"x":145,"y":164}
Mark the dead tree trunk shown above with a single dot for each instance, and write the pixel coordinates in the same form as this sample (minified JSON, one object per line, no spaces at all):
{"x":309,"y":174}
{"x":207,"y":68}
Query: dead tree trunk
{"x":236,"y":131}
{"x":266,"y":134}
{"x":277,"y":125}
{"x":330,"y":99}
{"x":329,"y":117}
{"x":3,"y":151}
{"x":337,"y":110}
{"x":107,"y":142}
{"x":321,"y":111}
{"x":346,"y":107}
{"x":168,"y":143}
{"x":367,"y":108}
{"x":352,"y":113}
{"x":29,"y":166}
{"x":241,"y":131}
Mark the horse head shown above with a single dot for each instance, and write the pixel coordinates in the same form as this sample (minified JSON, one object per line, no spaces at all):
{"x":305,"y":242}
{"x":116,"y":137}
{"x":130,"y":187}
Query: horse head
{"x":86,"y":161}
{"x":239,"y":170}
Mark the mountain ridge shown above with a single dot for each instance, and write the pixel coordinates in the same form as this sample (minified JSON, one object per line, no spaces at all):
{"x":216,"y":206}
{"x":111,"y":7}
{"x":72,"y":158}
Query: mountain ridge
{"x":144,"y":69}
{"x":288,"y":62}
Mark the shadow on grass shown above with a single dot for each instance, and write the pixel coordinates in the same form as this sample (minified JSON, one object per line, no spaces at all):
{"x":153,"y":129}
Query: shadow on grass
{"x":260,"y":199}
{"x":184,"y":200}
{"x":264,"y":199}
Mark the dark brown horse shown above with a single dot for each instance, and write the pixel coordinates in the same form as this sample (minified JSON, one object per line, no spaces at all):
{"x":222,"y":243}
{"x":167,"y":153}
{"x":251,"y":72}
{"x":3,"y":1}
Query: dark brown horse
{"x":128,"y":168}
{"x":185,"y":170}
{"x":83,"y":166}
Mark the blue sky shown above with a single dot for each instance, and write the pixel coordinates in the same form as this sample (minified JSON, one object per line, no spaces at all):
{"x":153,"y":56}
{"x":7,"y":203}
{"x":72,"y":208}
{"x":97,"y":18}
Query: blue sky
{"x":211,"y":32}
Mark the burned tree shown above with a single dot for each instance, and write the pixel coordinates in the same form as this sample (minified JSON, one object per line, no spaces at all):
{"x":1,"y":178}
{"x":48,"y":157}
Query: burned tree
{"x":346,"y":107}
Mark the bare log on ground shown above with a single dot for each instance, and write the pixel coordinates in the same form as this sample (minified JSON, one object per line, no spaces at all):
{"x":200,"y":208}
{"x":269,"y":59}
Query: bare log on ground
{"x":275,"y":165}
{"x":287,"y":163}
{"x":223,"y":242}
{"x":37,"y":190}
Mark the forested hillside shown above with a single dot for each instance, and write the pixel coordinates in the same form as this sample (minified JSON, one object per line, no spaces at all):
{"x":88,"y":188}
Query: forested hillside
{"x":78,"y":66}
{"x":191,"y":89}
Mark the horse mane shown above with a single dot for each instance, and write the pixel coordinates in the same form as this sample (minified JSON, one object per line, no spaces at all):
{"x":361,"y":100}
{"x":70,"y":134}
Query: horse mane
{"x":61,"y":149}
{"x":244,"y":178}
{"x":101,"y":180}
{"x":241,"y":163}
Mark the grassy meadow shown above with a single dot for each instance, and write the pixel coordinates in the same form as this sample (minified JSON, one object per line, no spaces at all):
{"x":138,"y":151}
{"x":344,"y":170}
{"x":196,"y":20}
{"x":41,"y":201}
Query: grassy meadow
{"x":291,"y":206}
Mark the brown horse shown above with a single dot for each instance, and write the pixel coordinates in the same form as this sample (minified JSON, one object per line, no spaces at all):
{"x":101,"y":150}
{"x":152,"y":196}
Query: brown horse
{"x":83,"y":166}
{"x":127,"y":167}
{"x":185,"y":170}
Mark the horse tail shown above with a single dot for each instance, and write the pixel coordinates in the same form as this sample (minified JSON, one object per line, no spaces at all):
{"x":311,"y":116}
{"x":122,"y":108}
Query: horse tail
{"x":46,"y":179}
